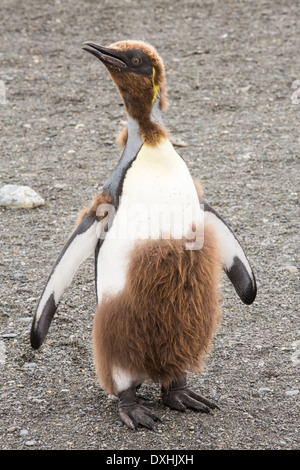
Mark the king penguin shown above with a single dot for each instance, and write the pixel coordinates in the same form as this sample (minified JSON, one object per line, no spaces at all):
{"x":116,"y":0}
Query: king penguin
{"x":159,"y":251}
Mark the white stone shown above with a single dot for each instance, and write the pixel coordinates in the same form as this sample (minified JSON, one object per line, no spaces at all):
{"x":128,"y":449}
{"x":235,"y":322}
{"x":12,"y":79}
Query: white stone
{"x":291,"y":393}
{"x":17,"y":197}
{"x":2,"y":352}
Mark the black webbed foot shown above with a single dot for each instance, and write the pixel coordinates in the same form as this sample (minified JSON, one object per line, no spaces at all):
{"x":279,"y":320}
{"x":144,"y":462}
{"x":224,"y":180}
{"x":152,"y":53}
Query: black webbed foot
{"x":179,"y":397}
{"x":133,"y":414}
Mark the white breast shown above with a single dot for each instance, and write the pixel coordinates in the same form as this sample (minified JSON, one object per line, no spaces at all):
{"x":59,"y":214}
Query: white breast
{"x":159,"y":200}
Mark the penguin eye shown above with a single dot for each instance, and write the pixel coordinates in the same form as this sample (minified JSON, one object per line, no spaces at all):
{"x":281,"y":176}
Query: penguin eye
{"x":136,"y":60}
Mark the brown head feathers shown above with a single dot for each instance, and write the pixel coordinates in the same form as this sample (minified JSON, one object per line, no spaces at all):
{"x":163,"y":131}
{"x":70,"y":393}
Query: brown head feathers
{"x":140,"y":51}
{"x":139,"y":91}
{"x":138,"y":72}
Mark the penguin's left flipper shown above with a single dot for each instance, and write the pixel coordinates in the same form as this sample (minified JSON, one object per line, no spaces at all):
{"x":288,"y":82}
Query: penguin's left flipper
{"x":80,"y":246}
{"x":235,"y":262}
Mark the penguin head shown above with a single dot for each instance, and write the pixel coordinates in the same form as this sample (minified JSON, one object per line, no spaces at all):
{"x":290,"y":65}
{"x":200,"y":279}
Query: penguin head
{"x":138,"y":72}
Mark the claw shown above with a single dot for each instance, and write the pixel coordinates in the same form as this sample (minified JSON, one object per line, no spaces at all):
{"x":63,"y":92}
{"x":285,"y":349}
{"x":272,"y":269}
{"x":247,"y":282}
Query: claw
{"x":133,"y":414}
{"x":179,"y":397}
{"x":137,"y":415}
{"x":126,"y":420}
{"x":209,"y":403}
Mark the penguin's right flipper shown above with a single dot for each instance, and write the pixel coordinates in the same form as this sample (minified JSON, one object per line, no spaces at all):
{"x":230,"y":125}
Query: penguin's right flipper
{"x":235,"y":262}
{"x":79,"y":247}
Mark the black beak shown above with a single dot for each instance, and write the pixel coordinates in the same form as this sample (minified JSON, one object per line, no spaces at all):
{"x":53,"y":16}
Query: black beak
{"x":109,"y":57}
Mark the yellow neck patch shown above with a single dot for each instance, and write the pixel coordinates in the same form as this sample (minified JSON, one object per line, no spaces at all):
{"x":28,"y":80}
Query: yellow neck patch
{"x":155,"y":87}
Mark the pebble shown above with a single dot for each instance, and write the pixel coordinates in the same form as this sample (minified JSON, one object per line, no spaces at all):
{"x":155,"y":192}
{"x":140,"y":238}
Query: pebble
{"x":26,"y":319}
{"x":30,"y":365}
{"x":292,"y":269}
{"x":11,"y":429}
{"x":177,"y":142}
{"x":16,"y":197}
{"x":30,"y":443}
{"x":291,"y":393}
{"x":246,"y":156}
{"x":2,"y":352}
{"x":264,"y":389}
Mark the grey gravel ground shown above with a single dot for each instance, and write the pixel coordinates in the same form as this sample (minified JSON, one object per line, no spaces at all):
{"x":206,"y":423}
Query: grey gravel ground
{"x":230,"y":69}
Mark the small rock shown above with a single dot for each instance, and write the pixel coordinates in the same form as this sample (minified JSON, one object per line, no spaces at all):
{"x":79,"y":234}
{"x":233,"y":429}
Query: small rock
{"x":246,"y":156}
{"x":26,"y":319}
{"x":245,"y":89}
{"x":177,"y":142}
{"x":2,"y":352}
{"x":30,"y":443}
{"x":30,"y":365}
{"x":23,"y":432}
{"x":8,"y":78}
{"x":292,"y":269}
{"x":16,"y":197}
{"x":291,"y":393}
{"x":12,"y":429}
{"x":264,"y":389}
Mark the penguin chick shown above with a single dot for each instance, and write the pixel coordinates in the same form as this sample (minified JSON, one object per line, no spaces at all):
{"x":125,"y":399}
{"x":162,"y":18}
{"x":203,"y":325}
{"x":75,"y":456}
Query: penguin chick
{"x":156,"y":317}
{"x":159,"y":249}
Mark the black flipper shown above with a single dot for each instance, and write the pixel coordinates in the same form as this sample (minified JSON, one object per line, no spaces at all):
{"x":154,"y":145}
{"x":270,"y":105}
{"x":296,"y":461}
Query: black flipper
{"x":235,"y":262}
{"x":79,"y":247}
